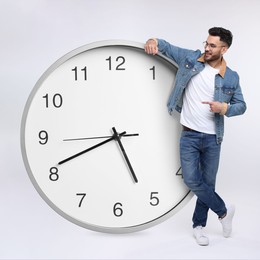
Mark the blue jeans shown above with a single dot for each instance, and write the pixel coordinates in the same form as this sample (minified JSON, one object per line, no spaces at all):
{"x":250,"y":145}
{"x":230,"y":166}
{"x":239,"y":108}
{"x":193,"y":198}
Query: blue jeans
{"x":199,"y":154}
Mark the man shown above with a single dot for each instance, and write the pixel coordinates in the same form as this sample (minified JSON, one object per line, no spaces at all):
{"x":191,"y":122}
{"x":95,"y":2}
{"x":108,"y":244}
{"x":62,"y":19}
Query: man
{"x":205,"y":91}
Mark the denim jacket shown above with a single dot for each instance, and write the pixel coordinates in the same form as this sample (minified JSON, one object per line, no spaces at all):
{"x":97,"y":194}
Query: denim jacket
{"x":227,"y":87}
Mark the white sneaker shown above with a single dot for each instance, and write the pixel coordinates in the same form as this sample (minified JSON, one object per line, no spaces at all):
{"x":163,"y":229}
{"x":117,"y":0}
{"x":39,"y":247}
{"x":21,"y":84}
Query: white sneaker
{"x":201,"y":239}
{"x":227,"y":221}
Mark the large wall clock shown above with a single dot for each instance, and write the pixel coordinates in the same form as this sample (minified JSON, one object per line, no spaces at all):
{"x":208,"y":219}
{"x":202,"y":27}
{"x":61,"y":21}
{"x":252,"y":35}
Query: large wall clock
{"x":97,"y":141}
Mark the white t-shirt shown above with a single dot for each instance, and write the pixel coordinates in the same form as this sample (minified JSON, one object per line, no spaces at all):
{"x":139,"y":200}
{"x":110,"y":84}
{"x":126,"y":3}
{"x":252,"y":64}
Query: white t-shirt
{"x":196,"y":115}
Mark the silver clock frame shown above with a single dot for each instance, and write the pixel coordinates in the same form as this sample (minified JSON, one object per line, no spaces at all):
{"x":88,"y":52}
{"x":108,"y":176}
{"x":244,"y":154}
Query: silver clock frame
{"x":114,"y":230}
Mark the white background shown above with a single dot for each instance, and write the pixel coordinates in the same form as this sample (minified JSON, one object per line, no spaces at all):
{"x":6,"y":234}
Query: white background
{"x":34,"y":34}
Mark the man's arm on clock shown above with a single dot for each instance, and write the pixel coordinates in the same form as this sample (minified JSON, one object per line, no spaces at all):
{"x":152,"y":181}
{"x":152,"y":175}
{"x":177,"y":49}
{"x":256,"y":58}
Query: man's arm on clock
{"x":154,"y":45}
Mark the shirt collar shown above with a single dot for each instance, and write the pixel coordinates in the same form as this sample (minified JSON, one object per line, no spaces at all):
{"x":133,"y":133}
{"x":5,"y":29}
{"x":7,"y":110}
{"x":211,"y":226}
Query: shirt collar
{"x":223,"y":66}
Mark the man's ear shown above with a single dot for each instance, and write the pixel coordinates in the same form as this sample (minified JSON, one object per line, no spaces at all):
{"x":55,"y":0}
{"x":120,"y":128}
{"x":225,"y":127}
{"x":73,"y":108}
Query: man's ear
{"x":224,"y":50}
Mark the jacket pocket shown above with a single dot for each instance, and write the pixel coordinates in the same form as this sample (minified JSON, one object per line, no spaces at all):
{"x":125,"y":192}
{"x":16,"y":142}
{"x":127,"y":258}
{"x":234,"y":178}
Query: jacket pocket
{"x":227,"y":93}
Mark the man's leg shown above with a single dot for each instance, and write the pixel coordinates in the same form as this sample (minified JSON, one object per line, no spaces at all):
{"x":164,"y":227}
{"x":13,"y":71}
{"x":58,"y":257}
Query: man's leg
{"x":199,"y":160}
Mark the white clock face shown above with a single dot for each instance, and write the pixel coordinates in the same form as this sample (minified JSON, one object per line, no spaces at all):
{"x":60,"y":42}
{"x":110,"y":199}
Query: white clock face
{"x":114,"y":94}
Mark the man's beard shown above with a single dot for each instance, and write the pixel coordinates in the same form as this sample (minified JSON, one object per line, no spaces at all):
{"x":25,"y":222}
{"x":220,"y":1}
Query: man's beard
{"x":209,"y":57}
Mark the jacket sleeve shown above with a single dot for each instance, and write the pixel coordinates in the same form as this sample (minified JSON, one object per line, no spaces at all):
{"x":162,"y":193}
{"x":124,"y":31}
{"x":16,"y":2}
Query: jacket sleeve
{"x":237,"y":104}
{"x":173,"y":52}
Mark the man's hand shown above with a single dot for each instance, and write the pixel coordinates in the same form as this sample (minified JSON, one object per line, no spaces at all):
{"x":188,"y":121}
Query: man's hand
{"x":151,"y":47}
{"x":216,"y":107}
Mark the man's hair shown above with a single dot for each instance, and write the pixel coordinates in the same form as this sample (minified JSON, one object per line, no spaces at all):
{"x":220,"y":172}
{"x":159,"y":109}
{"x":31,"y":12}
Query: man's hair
{"x":224,"y":34}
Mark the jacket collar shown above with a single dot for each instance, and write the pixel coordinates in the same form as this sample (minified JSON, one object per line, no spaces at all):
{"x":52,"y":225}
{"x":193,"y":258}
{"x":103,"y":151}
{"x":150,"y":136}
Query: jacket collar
{"x":223,"y":66}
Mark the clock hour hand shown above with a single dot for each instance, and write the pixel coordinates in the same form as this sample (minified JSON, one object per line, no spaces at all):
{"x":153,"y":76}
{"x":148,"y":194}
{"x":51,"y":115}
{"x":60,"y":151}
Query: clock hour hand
{"x":91,"y":148}
{"x":117,"y":138}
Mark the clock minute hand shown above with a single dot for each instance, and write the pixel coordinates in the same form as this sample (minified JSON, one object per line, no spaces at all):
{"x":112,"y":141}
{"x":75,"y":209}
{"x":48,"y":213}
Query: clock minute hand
{"x":91,"y":148}
{"x":116,"y":136}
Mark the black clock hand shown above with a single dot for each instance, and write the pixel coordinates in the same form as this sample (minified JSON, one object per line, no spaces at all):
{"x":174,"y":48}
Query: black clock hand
{"x":116,"y":136}
{"x":96,"y":137}
{"x":91,"y":148}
